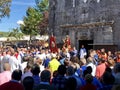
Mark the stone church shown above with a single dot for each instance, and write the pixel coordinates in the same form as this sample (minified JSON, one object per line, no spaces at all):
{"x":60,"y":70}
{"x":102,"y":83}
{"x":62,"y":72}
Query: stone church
{"x":94,"y":23}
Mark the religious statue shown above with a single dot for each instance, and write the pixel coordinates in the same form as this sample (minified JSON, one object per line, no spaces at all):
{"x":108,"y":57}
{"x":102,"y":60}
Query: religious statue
{"x":53,"y":45}
{"x":67,"y":42}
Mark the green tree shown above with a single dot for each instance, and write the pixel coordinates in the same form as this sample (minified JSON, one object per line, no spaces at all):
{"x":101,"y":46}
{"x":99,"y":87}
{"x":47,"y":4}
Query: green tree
{"x":4,"y":8}
{"x":16,"y":34}
{"x":42,"y":7}
{"x":3,"y":34}
{"x":31,"y":21}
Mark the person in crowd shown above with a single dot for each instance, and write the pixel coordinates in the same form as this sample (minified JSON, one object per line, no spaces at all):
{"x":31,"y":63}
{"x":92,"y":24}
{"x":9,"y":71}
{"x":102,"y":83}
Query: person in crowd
{"x":95,"y":81}
{"x":74,"y":61}
{"x":5,"y":59}
{"x":98,"y":64}
{"x":71,"y":84}
{"x":27,"y":70}
{"x":90,"y":62}
{"x":45,"y":81}
{"x":60,"y":80}
{"x":94,"y":56}
{"x":46,"y":61}
{"x":54,"y":63}
{"x":39,"y":62}
{"x":100,"y":69}
{"x":115,"y":55}
{"x":103,"y":54}
{"x":24,"y":63}
{"x":14,"y":83}
{"x":67,"y":62}
{"x":42,"y":55}
{"x":47,"y":53}
{"x":5,"y":76}
{"x":89,"y":85}
{"x":107,"y":81}
{"x":111,"y":64}
{"x":28,"y":83}
{"x":36,"y":71}
{"x":82,"y":52}
{"x":117,"y":73}
{"x":70,"y":72}
{"x":109,"y":55}
{"x":37,"y":51}
{"x":18,"y":57}
{"x":2,"y":54}
{"x":73,"y":52}
{"x":22,"y":52}
{"x":14,"y":63}
{"x":67,"y":54}
{"x":60,"y":53}
{"x":118,"y":57}
{"x":83,"y":64}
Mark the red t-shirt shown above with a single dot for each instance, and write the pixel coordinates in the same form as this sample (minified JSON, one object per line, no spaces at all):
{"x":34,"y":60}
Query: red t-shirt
{"x":88,"y":86}
{"x":100,"y":69}
{"x":11,"y":86}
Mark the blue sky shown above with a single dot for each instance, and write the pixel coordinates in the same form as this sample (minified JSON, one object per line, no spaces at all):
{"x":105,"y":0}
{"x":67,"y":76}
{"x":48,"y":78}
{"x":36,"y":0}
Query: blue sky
{"x":18,"y":11}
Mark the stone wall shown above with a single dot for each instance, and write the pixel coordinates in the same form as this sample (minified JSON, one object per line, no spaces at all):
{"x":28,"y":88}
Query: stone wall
{"x":77,"y":12}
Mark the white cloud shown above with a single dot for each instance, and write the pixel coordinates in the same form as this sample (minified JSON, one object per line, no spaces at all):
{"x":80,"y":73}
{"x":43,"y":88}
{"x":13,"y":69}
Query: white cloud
{"x":20,"y":22}
{"x":23,"y":3}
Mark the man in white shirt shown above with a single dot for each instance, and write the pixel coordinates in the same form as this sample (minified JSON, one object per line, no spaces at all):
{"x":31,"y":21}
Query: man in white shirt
{"x":13,"y":62}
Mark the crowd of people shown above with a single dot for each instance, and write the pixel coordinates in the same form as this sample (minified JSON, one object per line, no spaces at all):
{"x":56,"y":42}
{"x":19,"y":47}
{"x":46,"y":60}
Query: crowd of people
{"x":65,"y":69}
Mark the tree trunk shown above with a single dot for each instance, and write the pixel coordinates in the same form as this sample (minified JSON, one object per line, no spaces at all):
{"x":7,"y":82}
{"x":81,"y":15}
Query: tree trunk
{"x":30,"y":40}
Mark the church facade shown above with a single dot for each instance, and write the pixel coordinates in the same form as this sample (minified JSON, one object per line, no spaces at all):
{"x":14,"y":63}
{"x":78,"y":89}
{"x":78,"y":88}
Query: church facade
{"x":94,"y":23}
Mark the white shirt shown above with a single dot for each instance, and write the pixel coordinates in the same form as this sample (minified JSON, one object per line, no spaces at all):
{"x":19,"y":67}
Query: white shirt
{"x":93,"y":68}
{"x":82,"y":53}
{"x":23,"y":66}
{"x":13,"y":63}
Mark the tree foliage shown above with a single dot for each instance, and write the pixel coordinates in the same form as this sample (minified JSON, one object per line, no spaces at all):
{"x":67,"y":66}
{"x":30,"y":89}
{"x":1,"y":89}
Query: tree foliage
{"x":31,"y":21}
{"x":4,"y":34}
{"x":42,"y":7}
{"x":4,"y":8}
{"x":36,"y":19}
{"x":16,"y":34}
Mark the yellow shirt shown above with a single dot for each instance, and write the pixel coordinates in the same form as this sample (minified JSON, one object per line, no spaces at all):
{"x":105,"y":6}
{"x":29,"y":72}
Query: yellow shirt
{"x":54,"y":64}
